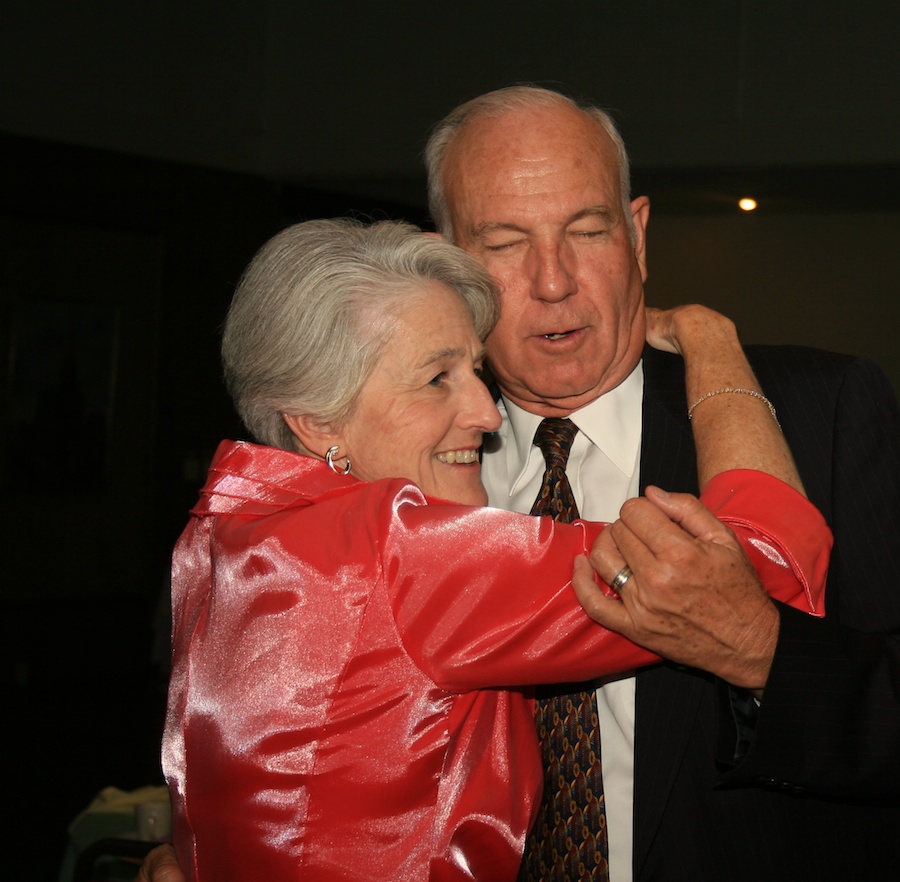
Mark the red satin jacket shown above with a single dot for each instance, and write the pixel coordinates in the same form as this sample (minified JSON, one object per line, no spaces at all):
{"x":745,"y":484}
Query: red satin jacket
{"x":349,"y":696}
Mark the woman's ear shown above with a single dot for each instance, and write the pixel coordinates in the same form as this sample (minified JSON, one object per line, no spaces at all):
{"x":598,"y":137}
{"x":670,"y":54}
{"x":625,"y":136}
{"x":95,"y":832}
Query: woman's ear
{"x":315,"y":436}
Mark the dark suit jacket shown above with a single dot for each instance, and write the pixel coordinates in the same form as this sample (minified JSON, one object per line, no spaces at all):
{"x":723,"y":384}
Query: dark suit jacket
{"x":830,"y":688}
{"x":691,"y":821}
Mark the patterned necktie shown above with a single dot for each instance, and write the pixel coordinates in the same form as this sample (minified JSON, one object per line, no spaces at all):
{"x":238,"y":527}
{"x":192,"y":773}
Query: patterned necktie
{"x":568,"y":840}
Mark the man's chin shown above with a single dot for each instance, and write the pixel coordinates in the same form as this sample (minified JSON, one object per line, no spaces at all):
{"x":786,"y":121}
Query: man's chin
{"x":553,"y":399}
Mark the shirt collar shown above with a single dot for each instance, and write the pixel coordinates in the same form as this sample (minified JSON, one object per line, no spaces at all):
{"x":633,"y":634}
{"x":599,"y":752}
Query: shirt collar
{"x":611,"y":423}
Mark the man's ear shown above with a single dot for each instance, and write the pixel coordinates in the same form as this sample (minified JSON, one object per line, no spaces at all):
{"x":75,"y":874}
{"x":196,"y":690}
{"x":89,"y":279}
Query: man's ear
{"x":315,"y":436}
{"x":432,"y":235}
{"x":640,"y":215}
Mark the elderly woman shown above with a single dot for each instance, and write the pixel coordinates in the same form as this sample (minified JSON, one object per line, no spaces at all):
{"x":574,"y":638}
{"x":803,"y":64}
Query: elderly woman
{"x":353,"y":634}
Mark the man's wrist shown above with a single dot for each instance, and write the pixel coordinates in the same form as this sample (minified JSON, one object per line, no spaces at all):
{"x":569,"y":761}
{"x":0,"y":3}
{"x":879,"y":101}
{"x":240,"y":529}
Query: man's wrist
{"x":753,"y":659}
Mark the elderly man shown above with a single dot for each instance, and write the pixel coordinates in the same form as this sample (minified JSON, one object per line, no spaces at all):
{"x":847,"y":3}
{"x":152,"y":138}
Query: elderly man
{"x":538,"y":190}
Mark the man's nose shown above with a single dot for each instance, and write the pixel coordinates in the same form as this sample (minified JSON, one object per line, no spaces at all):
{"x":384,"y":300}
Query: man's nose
{"x":553,"y":277}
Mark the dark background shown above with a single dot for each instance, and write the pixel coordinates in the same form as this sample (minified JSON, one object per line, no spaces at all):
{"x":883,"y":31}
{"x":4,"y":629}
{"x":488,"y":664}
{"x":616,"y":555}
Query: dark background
{"x":148,"y":148}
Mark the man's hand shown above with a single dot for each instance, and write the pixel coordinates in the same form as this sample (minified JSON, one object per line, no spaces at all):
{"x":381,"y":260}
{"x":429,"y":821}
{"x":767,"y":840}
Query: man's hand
{"x":160,"y":865}
{"x":694,"y":597}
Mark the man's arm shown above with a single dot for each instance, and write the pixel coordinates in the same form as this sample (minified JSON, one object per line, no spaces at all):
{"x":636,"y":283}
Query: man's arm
{"x":828,"y":684}
{"x":693,"y":600}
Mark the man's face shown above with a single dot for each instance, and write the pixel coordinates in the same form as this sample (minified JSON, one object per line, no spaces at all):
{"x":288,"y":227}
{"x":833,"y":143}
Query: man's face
{"x":534,"y":196}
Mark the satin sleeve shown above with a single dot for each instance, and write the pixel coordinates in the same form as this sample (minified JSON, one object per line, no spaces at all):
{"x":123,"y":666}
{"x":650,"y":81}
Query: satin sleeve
{"x":781,"y":532}
{"x":483,"y":597}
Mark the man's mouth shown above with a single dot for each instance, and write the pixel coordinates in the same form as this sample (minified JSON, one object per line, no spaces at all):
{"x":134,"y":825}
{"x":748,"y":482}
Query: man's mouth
{"x":458,"y":456}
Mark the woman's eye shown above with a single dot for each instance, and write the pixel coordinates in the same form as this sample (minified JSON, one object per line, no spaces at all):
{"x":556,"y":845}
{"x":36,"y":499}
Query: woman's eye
{"x":438,"y":380}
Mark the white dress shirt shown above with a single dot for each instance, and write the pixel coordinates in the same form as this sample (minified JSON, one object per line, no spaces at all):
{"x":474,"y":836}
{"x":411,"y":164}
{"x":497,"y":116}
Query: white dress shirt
{"x":603,"y":470}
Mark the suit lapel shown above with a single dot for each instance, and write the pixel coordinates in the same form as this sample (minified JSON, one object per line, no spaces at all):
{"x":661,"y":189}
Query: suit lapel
{"x":666,"y":701}
{"x":667,"y":449}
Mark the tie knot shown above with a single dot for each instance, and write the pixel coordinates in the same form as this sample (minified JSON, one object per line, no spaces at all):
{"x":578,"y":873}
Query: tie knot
{"x":554,"y":436}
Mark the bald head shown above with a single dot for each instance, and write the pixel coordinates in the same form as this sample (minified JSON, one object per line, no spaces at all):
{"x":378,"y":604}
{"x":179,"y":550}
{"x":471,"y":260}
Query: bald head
{"x":508,"y":102}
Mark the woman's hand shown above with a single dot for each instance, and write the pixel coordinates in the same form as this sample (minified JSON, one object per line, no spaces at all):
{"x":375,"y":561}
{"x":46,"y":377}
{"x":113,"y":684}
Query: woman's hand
{"x":734,"y":426}
{"x":160,"y":865}
{"x":673,"y":330}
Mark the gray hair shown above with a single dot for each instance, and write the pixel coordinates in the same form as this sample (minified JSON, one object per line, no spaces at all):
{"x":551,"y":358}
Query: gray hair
{"x":313,"y":313}
{"x":498,"y":103}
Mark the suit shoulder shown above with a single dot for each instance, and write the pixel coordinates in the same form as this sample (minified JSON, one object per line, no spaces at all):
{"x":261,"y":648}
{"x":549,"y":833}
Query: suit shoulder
{"x":806,"y":356}
{"x":797,"y":361}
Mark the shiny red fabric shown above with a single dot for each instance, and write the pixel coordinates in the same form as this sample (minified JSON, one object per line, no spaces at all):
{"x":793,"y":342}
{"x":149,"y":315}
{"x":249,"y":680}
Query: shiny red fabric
{"x":345,"y":701}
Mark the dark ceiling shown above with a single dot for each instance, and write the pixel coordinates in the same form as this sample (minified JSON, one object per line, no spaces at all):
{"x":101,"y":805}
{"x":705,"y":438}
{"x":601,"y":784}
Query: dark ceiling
{"x":341,"y":96}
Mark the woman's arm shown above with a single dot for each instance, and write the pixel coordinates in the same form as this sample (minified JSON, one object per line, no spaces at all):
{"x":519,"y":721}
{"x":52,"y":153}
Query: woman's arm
{"x":734,"y":425}
{"x":694,"y":597}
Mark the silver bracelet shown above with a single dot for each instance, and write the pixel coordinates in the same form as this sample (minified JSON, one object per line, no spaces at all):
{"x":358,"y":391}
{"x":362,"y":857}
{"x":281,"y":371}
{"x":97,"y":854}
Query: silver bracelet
{"x":737,"y":391}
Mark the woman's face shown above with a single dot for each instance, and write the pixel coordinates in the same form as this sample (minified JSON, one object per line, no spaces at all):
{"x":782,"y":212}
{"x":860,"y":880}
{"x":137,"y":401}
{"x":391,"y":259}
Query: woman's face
{"x":422,"y":412}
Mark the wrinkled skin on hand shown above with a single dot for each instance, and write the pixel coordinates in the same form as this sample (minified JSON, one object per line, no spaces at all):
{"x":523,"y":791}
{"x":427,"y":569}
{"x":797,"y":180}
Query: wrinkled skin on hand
{"x":160,"y":865}
{"x":694,"y":597}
